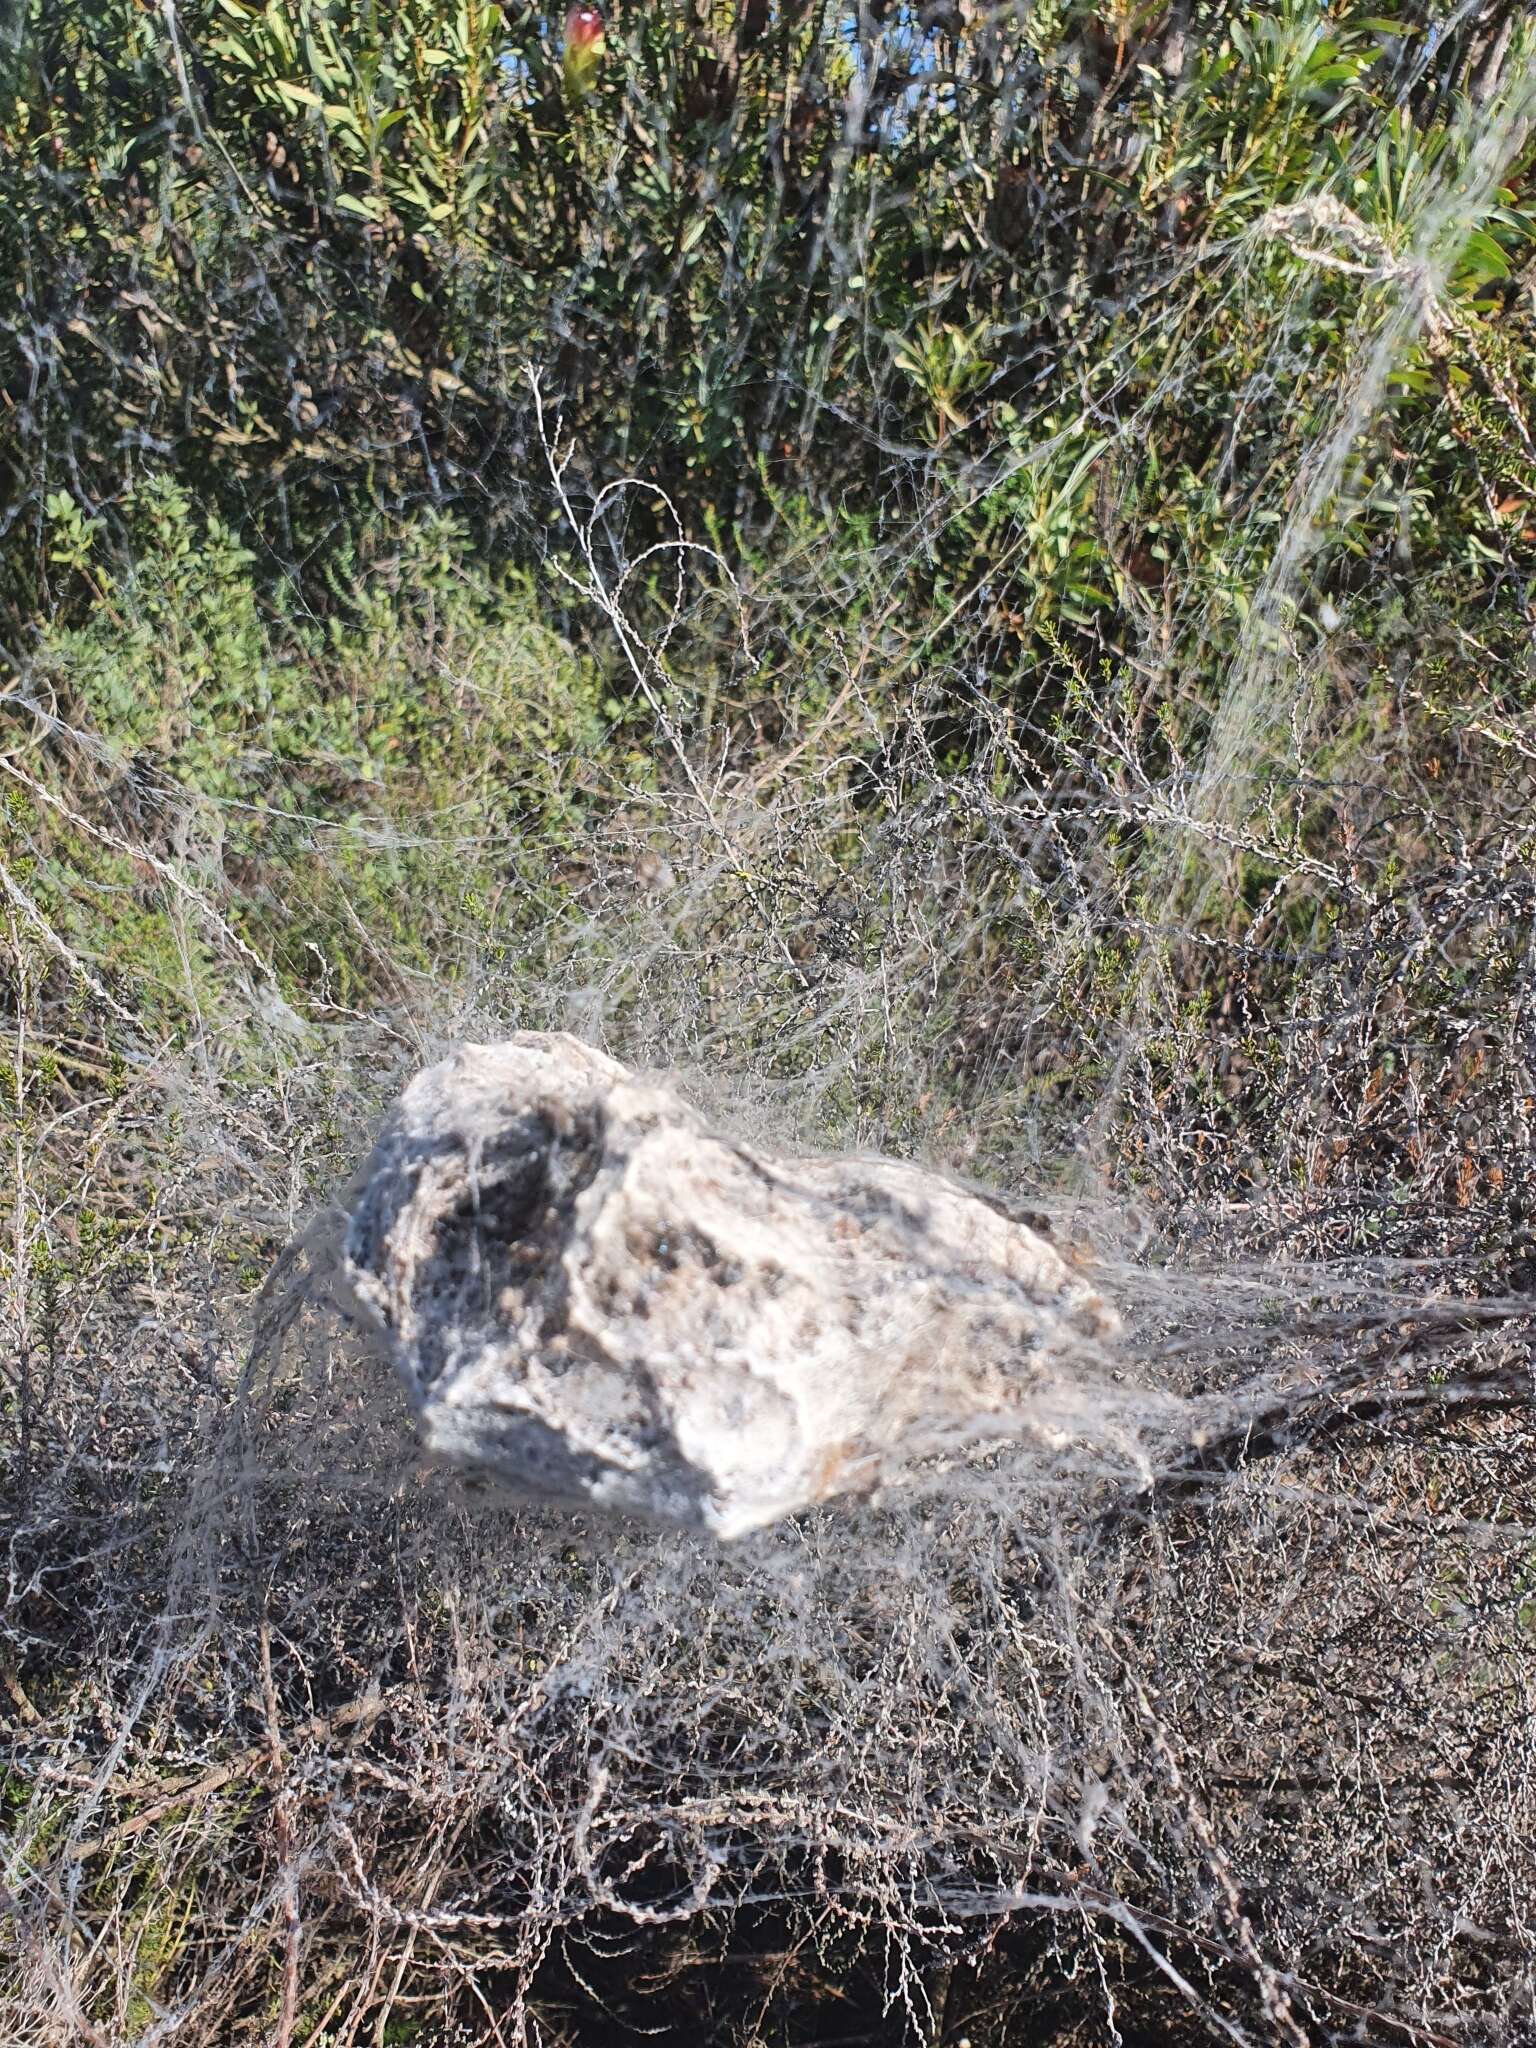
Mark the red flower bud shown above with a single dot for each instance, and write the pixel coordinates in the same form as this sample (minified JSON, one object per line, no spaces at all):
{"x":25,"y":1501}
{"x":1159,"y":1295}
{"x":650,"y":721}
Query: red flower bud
{"x":583,"y":26}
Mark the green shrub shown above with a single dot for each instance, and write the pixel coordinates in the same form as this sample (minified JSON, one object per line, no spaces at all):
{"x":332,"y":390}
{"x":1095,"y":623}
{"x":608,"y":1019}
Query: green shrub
{"x":330,"y":796}
{"x":1082,"y":298}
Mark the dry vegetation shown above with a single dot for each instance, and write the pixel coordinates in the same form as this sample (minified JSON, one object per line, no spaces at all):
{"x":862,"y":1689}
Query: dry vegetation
{"x":309,"y":1744}
{"x":1123,"y":798}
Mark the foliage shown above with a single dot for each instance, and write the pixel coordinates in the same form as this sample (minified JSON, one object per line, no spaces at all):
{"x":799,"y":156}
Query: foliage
{"x":1088,"y":284}
{"x":320,"y":791}
{"x":962,"y":581}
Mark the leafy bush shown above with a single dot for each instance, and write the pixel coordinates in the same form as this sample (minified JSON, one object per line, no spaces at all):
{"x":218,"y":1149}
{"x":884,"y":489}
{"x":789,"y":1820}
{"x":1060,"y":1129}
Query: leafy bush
{"x":1085,"y":297}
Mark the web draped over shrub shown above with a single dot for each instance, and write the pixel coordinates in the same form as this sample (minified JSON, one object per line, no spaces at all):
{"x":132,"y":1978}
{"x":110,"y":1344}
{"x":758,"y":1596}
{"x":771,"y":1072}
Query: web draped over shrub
{"x":1010,"y":647}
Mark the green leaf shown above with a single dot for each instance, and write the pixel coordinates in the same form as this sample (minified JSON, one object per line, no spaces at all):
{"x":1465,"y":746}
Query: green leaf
{"x":299,"y":95}
{"x":1482,"y":256}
